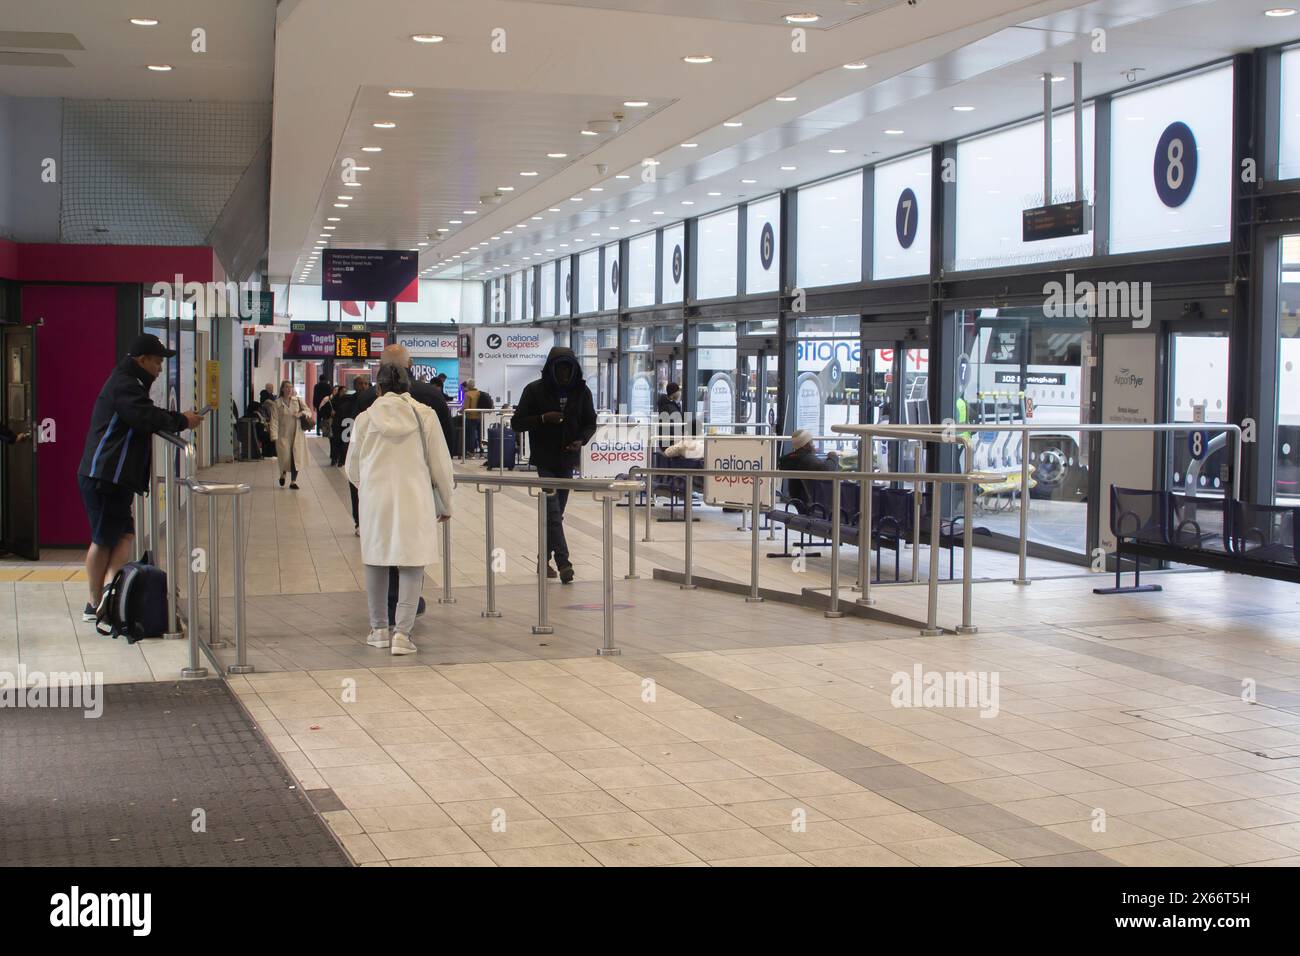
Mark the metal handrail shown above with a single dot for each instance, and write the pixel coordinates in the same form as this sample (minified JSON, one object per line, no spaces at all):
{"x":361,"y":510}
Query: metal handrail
{"x":212,"y":490}
{"x":170,"y":492}
{"x":865,"y":478}
{"x":1022,"y":577}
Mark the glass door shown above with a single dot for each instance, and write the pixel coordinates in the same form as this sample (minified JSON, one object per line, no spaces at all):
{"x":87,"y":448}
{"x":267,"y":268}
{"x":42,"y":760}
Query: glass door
{"x":895,"y":385}
{"x":1198,"y":383}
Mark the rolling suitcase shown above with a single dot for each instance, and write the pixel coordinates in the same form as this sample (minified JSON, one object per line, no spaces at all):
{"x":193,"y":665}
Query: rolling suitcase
{"x":494,"y":453}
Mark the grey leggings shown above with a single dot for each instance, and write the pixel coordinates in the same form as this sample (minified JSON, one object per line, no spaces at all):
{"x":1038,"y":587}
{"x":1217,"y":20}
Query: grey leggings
{"x":410,"y":581}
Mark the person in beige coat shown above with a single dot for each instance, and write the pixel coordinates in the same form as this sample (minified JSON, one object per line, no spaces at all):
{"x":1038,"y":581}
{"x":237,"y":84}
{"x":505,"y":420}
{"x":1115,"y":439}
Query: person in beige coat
{"x":285,"y":427}
{"x":399,"y":461}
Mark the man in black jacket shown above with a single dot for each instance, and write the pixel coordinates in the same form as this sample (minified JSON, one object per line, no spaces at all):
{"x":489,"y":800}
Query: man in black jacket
{"x":115,"y":464}
{"x":670,"y":415}
{"x":560,"y":417}
{"x":347,"y":409}
{"x":802,"y":456}
{"x":426,"y":393}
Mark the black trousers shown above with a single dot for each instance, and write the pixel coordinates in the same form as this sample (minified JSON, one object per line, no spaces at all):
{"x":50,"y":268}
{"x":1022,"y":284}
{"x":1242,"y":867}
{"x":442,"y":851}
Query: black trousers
{"x":555,"y":504}
{"x":356,"y":518}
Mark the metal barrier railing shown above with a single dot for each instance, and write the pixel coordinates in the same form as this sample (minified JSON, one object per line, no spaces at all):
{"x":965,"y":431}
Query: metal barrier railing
{"x":540,"y":488}
{"x":865,"y":480}
{"x":943,"y":432}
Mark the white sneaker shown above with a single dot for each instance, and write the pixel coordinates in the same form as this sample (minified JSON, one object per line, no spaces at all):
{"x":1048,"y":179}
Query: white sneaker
{"x":378,"y":637}
{"x":402,"y":644}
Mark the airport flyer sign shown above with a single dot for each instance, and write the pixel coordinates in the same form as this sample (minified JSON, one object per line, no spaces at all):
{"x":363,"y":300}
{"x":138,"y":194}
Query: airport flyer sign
{"x":615,"y":450}
{"x":737,"y":455}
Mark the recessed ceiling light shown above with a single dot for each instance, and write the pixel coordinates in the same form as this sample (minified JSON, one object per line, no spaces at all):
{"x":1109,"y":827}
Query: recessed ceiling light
{"x":455,"y":222}
{"x":801,"y":18}
{"x":506,"y":189}
{"x":340,"y":205}
{"x":733,"y":124}
{"x":697,"y":58}
{"x":635,"y":104}
{"x":788,"y":169}
{"x":550,"y":250}
{"x":536,"y":218}
{"x":596,"y":189}
{"x":786,"y":99}
{"x":361,"y":169}
{"x":689,"y":145}
{"x":507,"y":232}
{"x":556,"y":155}
{"x":855,"y":65}
{"x":469,"y":212}
{"x":963,"y":109}
{"x":595,"y":233}
{"x":1055,"y":79}
{"x":622,"y":176}
{"x":749,"y":182}
{"x":345,"y":198}
{"x":160,"y":67}
{"x":554,"y":209}
{"x":372,"y":149}
{"x":443,"y":229}
{"x":634,"y":221}
{"x":657,"y":212}
{"x":328,"y":227}
{"x":144,"y":21}
{"x":715,"y":194}
{"x":614,"y":228}
{"x":575,"y":199}
{"x":893,"y":132}
{"x":427,"y":37}
{"x":385,"y":124}
{"x":1279,"y":12}
{"x":333,"y":219}
{"x":589,"y":132}
{"x":564,"y":245}
{"x":836,"y":151}
{"x":688,"y":202}
{"x":401,"y":94}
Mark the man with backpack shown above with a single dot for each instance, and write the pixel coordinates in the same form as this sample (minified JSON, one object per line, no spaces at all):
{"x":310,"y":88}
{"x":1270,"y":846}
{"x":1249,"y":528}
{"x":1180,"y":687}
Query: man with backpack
{"x":116,"y":463}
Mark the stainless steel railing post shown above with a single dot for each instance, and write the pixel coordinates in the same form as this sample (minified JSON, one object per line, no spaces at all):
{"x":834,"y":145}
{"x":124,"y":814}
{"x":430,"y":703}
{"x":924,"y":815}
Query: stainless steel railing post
{"x":932,"y":628}
{"x":170,"y":493}
{"x":195,"y":668}
{"x":241,"y":665}
{"x":631,"y":538}
{"x":754,"y":597}
{"x":917,"y":489}
{"x":649,"y":501}
{"x":543,"y":625}
{"x":491,"y":609}
{"x":607,"y":649}
{"x":967,"y":559}
{"x":688,"y":568}
{"x":1022,"y":576}
{"x":446,"y":564}
{"x":834,"y":609}
{"x":214,"y":575}
{"x":464,"y":427}
{"x":864,"y":542}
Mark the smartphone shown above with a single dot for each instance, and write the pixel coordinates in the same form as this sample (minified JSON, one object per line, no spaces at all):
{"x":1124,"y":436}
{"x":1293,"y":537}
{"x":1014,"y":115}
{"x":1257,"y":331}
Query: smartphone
{"x":206,"y":409}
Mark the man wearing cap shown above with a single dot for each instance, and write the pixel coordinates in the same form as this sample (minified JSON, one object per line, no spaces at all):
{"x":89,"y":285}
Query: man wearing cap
{"x":115,"y":465}
{"x":803,"y":457}
{"x":670,"y":415}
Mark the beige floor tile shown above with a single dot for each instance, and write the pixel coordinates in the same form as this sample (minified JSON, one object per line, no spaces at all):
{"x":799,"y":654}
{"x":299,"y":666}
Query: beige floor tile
{"x":1117,"y":833}
{"x":1044,"y":811}
{"x":870,"y":855}
{"x":641,"y":851}
{"x":595,"y":827}
{"x":471,"y":812}
{"x":1160,"y":853}
{"x":897,"y":828}
{"x":692,"y":819}
{"x":776,"y":859}
{"x":944,"y":851}
{"x":851,"y":806}
{"x":476,"y":858}
{"x":1237,"y":847}
{"x":435,"y":841}
{"x":1247,"y":814}
{"x":1178,"y":822}
{"x":419,"y":816}
{"x":728,"y":844}
{"x":557,"y":805}
{"x":659,"y":798}
{"x":564,"y":854}
{"x":816,"y":835}
{"x":509,"y":834}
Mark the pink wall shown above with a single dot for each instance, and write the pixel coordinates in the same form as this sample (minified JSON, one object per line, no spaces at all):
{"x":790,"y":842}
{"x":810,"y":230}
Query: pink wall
{"x":63,"y":262}
{"x":76,"y":348}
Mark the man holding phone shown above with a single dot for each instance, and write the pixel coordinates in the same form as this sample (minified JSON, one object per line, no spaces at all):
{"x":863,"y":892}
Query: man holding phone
{"x":116,"y":462}
{"x":559,"y":415}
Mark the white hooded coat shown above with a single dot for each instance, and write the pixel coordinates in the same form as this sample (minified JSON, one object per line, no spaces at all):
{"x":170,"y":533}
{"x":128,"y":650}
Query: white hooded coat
{"x":401,"y":490}
{"x":286,"y":431}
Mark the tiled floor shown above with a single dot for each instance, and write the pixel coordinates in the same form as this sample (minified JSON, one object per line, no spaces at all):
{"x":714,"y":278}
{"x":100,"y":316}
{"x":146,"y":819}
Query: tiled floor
{"x":739,"y":734}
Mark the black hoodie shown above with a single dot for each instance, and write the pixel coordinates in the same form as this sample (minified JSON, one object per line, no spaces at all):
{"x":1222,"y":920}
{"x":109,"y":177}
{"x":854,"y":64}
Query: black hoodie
{"x":122,"y":424}
{"x":547,"y":442}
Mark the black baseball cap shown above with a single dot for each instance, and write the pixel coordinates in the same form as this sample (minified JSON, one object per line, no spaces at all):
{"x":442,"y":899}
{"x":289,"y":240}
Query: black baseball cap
{"x":146,"y":344}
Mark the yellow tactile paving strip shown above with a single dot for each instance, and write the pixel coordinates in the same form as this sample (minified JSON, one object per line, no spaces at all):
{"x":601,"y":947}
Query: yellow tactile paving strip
{"x":42,"y":575}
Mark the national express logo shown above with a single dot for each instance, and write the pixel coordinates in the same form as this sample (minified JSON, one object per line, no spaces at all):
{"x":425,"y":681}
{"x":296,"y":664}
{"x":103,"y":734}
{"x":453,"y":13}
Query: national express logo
{"x":617,"y":452}
{"x":732,"y":463}
{"x":494,"y":341}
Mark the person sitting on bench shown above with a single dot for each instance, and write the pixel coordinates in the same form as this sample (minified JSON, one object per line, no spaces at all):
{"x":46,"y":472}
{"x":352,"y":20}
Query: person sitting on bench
{"x":803,"y":457}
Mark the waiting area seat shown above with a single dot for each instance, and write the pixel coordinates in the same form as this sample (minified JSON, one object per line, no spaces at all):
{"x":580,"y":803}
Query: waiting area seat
{"x":1221,"y":533}
{"x":893,"y":514}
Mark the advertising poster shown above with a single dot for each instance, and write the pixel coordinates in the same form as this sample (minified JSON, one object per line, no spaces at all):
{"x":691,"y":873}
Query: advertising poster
{"x":427,"y":369}
{"x":1128,"y":396}
{"x":615,"y":450}
{"x":370,"y":275}
{"x":808,"y":406}
{"x":737,"y":454}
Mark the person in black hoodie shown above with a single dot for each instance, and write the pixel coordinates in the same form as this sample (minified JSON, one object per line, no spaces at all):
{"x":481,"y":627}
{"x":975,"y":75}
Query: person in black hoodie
{"x":559,"y":416}
{"x":670,"y":415}
{"x":115,"y":464}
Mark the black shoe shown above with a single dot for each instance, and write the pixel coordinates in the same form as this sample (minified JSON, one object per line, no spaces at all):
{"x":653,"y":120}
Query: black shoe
{"x":89,"y":613}
{"x":282,"y":481}
{"x":566,"y":573}
{"x":550,"y":571}
{"x":293,"y":485}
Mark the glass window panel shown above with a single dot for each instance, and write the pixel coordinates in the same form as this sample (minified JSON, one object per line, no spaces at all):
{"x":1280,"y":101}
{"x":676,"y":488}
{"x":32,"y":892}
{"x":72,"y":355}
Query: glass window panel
{"x":829,"y":243}
{"x":763,"y":245}
{"x":589,"y":281}
{"x":715,"y":373}
{"x":640,"y":273}
{"x":616,"y":275}
{"x":566,"y":285}
{"x":1001,"y":175}
{"x":546,"y":287}
{"x":1164,"y":193}
{"x":901,"y":230}
{"x":517,"y":297}
{"x":1289,"y":158}
{"x":674,"y":267}
{"x":716,"y":255}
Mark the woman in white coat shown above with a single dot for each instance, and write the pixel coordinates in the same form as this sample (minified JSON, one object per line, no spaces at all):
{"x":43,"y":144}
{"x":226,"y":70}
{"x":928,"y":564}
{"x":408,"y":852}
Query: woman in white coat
{"x":398,"y":460}
{"x":287,"y":434}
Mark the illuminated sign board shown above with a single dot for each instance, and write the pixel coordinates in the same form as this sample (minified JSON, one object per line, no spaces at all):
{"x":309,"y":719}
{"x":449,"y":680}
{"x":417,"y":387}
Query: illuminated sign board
{"x":351,"y":346}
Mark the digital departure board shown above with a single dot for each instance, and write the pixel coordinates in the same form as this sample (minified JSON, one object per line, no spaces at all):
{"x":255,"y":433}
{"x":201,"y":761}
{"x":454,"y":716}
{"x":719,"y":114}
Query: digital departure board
{"x":351,"y":346}
{"x":370,"y":275}
{"x":1057,"y":221}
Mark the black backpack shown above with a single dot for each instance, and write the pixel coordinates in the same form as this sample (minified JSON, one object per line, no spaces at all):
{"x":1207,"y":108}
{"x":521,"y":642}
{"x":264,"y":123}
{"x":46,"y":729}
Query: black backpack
{"x":135,"y":604}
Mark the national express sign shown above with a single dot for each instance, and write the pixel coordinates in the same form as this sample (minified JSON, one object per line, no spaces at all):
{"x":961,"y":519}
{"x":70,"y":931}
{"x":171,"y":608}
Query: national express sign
{"x":615,"y":450}
{"x":737,"y":455}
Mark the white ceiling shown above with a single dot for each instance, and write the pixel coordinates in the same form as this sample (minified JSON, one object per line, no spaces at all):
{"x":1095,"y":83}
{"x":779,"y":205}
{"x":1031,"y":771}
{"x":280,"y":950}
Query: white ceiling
{"x":113,"y":56}
{"x":328,"y":64}
{"x":832,"y":13}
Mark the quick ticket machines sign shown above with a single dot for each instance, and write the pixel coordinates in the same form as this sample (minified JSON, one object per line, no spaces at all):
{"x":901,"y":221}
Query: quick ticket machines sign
{"x":737,"y":455}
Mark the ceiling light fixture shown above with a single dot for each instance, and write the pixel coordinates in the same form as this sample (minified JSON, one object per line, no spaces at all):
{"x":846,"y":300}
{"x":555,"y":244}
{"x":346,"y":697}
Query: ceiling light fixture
{"x":855,"y":65}
{"x":622,"y":176}
{"x":749,"y":182}
{"x":427,"y":37}
{"x":788,"y":169}
{"x":345,"y":198}
{"x":733,"y":124}
{"x":697,"y":59}
{"x":372,"y":149}
{"x":160,"y":67}
{"x":836,"y":151}
{"x":144,"y":21}
{"x":557,"y":155}
{"x":802,"y":18}
{"x":893,"y":132}
{"x":689,"y":145}
{"x":786,"y":99}
{"x":589,"y":132}
{"x":635,"y":104}
{"x":963,"y":109}
{"x":340,"y":205}
{"x":455,"y":222}
{"x":385,"y":124}
{"x":715,"y":194}
{"x":401,"y":94}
